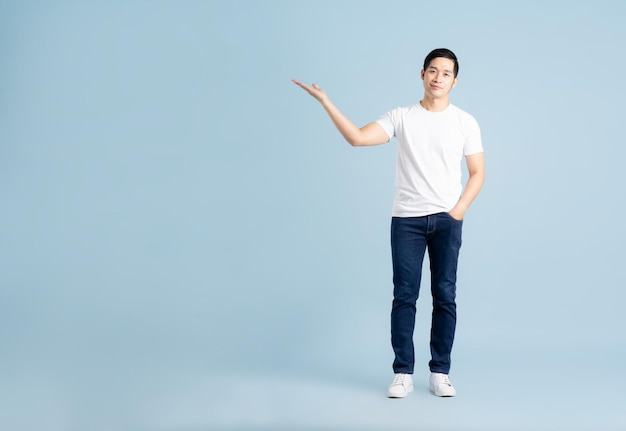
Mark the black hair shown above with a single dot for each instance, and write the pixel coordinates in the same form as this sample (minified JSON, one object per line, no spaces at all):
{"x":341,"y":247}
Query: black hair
{"x":445,"y":53}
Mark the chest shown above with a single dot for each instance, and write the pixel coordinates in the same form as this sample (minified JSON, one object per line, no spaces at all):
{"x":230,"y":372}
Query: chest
{"x":438,"y":134}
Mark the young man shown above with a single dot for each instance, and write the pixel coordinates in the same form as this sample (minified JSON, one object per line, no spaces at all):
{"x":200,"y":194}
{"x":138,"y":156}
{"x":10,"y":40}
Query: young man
{"x":430,"y":203}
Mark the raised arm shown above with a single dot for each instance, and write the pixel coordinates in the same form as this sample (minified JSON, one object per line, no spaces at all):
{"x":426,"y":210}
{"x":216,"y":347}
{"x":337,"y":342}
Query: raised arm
{"x":370,"y":134}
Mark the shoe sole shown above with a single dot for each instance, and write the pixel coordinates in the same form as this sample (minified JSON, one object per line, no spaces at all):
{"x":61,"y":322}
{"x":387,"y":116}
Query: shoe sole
{"x":441,"y":396}
{"x":408,"y":391}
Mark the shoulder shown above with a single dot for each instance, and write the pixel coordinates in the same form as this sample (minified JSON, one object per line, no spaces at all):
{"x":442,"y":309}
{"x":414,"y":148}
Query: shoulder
{"x":464,"y":118}
{"x":407,"y":109}
{"x":462,"y":113}
{"x":394,"y":122}
{"x":397,"y":114}
{"x":401,"y":112}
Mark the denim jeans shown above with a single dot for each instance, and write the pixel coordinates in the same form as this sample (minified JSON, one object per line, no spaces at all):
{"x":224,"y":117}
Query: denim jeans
{"x":440,"y":234}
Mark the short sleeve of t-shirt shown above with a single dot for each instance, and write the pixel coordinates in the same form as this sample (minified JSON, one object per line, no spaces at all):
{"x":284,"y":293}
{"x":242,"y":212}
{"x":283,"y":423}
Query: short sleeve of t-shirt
{"x":387,"y":123}
{"x":474,"y":142}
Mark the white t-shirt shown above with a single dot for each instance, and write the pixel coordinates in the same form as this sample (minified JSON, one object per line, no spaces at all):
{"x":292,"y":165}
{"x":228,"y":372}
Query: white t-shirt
{"x":431,"y":146}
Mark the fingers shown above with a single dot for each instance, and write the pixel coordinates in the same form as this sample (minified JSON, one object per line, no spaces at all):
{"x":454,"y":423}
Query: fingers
{"x":300,"y":84}
{"x":314,"y":90}
{"x":306,"y":87}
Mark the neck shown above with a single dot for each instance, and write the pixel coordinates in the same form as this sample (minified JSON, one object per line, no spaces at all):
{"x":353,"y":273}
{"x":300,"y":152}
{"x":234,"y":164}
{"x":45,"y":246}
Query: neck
{"x":434,"y":105}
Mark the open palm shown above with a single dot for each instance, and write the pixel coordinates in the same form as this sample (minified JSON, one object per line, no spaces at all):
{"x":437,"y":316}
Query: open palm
{"x":314,"y":90}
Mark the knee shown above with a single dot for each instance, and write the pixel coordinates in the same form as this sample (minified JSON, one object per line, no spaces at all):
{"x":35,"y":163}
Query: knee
{"x":445,"y":296}
{"x":404,"y":298}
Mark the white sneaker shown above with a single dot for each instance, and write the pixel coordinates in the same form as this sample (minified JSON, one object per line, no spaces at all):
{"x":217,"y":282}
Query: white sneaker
{"x":401,"y":386}
{"x":440,"y":385}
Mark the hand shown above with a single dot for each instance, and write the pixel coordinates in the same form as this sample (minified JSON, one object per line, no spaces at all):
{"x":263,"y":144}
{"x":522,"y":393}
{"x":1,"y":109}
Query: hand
{"x":314,"y":90}
{"x":456,"y":214}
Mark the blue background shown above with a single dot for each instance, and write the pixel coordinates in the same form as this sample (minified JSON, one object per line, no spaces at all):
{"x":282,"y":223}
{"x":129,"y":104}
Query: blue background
{"x":186,"y":243}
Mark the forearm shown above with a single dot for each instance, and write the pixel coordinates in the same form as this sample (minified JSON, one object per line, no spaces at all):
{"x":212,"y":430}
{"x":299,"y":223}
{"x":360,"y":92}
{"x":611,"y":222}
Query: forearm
{"x":476,"y":170}
{"x":472,"y":188}
{"x":348,"y":130}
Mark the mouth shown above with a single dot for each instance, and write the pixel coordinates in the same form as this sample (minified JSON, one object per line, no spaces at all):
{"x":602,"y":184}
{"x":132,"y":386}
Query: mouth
{"x":435,"y":87}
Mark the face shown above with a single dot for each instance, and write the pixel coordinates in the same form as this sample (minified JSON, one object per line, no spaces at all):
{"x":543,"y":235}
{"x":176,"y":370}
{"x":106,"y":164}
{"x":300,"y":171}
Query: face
{"x":439,"y":77}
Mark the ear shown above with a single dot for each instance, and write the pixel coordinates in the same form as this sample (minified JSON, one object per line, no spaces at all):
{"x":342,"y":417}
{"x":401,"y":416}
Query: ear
{"x":454,"y":83}
{"x":422,"y":74}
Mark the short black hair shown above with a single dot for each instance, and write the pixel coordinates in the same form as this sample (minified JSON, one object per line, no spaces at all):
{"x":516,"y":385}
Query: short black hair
{"x":445,"y":53}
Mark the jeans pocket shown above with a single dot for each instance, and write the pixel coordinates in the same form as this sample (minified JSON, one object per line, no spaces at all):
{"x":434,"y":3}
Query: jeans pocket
{"x":452,"y":218}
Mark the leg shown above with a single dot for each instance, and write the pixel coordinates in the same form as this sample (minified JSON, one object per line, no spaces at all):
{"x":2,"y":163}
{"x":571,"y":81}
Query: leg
{"x":444,"y":243}
{"x":408,"y":246}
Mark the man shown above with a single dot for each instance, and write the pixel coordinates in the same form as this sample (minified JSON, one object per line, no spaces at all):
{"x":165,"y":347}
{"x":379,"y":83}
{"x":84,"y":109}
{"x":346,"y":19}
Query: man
{"x":430,"y":203}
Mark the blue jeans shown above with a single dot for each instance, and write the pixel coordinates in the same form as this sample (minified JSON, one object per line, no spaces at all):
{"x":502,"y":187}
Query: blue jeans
{"x":440,"y":234}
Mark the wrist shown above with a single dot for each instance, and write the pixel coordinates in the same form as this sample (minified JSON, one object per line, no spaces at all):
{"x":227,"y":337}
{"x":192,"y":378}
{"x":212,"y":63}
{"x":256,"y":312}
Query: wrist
{"x":458,"y":210}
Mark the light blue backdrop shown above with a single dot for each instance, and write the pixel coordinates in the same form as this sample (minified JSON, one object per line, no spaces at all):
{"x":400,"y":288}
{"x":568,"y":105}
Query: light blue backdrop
{"x":186,"y":243}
